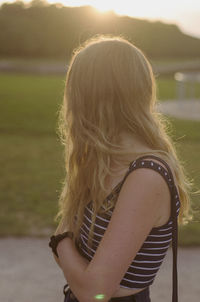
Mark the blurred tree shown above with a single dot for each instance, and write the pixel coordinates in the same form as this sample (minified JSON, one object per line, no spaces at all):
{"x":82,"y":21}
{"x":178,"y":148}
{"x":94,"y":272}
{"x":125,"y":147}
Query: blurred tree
{"x":39,"y":3}
{"x":38,"y":29}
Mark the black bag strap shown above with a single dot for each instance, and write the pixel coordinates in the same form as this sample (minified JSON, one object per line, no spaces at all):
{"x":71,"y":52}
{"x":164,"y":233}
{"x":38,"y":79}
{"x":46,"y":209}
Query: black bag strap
{"x":174,"y":226}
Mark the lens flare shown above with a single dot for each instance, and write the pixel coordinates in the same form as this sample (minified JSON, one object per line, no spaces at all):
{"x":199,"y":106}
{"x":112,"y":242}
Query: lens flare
{"x":99,"y":297}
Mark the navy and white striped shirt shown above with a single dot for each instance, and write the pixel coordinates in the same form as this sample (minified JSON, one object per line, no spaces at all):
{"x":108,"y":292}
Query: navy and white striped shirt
{"x":144,"y":267}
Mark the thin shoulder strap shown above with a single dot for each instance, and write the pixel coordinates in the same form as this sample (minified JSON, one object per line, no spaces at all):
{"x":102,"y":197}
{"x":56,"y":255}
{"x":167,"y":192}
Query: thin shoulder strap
{"x":174,"y":226}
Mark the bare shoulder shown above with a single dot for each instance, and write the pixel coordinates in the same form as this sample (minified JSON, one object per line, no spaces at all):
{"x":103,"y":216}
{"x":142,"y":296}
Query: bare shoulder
{"x":145,"y":179}
{"x":149,"y":182}
{"x":162,"y":165}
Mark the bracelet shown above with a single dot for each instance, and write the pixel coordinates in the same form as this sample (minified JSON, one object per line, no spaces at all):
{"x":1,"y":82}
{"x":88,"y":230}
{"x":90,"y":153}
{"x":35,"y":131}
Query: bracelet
{"x":55,"y":239}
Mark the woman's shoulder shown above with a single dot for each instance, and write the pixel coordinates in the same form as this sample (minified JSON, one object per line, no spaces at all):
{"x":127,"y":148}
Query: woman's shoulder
{"x":158,"y":164}
{"x":151,"y":169}
{"x":144,"y":193}
{"x":149,"y":173}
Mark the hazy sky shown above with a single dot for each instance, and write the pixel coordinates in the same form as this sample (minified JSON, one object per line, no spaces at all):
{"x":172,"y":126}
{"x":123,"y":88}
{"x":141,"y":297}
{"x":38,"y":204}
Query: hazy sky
{"x":182,"y":12}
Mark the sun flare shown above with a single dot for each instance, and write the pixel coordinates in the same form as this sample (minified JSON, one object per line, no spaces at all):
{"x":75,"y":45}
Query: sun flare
{"x":138,"y":9}
{"x":133,"y":8}
{"x":103,"y":6}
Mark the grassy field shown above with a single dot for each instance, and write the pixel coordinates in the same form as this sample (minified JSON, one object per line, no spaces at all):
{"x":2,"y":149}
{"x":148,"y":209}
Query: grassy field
{"x":32,"y":159}
{"x":167,"y":89}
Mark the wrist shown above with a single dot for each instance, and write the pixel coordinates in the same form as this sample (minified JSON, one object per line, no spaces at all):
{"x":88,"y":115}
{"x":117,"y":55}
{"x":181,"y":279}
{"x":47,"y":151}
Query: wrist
{"x":54,"y":240}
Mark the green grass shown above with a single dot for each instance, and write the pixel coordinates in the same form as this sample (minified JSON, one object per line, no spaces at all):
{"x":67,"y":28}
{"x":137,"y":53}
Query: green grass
{"x":167,"y":89}
{"x":31,"y":156}
{"x":32,"y":170}
{"x":30,"y":102}
{"x":186,"y":136}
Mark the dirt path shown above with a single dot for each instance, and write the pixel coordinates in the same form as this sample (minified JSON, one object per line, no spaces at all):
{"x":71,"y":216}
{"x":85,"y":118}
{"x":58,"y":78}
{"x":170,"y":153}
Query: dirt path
{"x":183,"y":109}
{"x":28,"y":273}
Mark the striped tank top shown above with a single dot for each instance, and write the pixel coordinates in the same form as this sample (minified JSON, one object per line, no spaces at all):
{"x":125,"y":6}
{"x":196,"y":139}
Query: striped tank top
{"x":144,"y":267}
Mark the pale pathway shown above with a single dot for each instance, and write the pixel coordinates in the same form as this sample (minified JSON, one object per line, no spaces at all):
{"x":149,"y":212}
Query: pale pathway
{"x":28,"y":273}
{"x":183,"y":109}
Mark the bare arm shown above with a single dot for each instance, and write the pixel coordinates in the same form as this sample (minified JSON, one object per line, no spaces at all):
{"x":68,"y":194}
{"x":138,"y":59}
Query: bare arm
{"x":84,"y":260}
{"x":135,"y":213}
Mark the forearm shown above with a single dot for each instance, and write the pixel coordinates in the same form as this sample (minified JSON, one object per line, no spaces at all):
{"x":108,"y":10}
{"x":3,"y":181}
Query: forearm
{"x":73,"y":266}
{"x":87,"y":286}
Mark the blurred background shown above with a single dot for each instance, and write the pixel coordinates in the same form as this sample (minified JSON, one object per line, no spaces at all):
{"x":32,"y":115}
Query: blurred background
{"x":36,"y":43}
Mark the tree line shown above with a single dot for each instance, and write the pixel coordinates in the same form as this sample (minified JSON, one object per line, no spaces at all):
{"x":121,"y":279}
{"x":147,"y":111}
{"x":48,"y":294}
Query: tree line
{"x":39,"y":29}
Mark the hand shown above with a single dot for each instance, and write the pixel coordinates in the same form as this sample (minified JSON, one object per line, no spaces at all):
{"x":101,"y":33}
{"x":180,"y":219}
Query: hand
{"x":61,"y":245}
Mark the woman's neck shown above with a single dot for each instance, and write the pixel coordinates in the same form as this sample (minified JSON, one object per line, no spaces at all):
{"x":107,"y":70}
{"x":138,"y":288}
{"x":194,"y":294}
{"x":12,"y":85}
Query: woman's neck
{"x":133,"y":144}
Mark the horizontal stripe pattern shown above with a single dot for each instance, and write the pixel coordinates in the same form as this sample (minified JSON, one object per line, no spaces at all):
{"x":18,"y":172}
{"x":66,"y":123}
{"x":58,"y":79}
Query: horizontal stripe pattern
{"x":144,"y":267}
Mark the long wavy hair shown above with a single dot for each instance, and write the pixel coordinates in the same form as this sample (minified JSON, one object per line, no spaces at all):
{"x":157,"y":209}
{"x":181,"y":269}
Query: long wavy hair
{"x":110,"y":89}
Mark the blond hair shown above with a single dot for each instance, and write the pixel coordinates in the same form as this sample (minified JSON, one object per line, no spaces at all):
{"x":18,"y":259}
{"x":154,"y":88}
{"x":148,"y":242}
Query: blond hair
{"x":110,"y":88}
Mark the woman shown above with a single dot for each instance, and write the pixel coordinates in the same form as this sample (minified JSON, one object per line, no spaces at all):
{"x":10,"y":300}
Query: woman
{"x":115,"y":203}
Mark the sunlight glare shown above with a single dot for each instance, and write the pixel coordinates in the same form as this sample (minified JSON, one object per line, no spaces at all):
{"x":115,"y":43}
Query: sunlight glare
{"x":138,"y":9}
{"x":104,"y":5}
